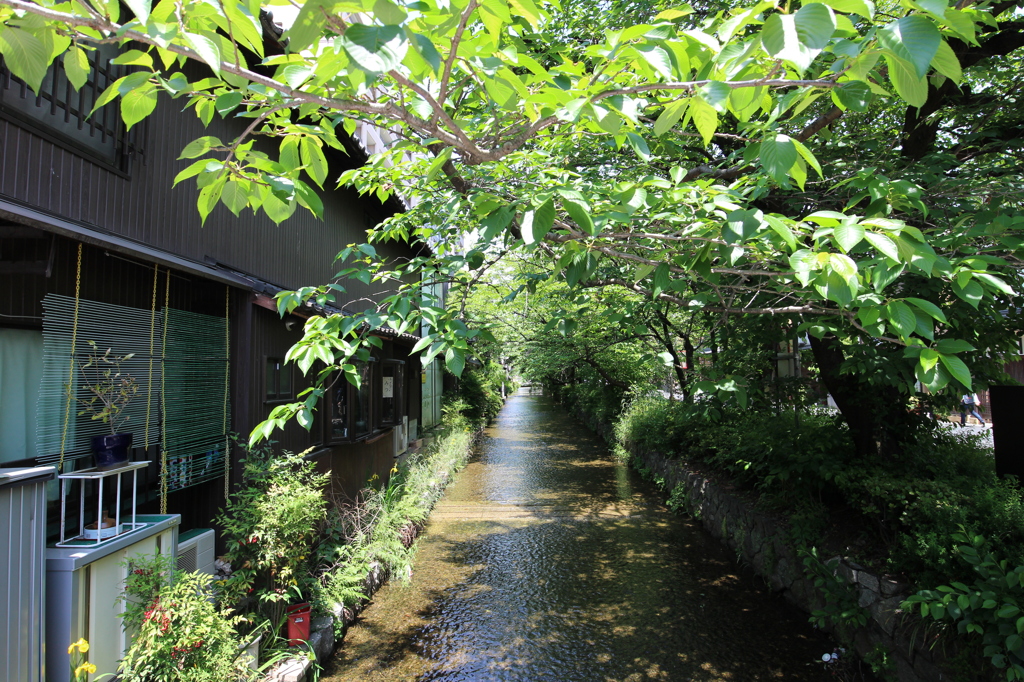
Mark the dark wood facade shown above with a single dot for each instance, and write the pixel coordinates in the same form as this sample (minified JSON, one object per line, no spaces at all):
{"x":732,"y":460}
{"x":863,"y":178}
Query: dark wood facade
{"x":132,"y":221}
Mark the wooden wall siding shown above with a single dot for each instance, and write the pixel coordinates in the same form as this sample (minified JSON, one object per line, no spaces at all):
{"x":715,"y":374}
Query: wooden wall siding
{"x":107,"y":278}
{"x":353,"y":466}
{"x":301,"y":251}
{"x":270,"y":338}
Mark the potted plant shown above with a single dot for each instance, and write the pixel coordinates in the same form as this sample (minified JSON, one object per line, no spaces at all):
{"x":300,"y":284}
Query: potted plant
{"x":103,"y":393}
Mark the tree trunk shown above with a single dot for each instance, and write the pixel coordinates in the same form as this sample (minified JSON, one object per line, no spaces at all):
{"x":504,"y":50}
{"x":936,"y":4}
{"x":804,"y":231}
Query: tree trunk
{"x":868,"y":410}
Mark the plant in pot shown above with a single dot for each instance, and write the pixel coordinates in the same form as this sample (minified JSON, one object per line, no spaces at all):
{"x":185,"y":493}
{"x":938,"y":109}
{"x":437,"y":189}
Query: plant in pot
{"x":103,"y":392}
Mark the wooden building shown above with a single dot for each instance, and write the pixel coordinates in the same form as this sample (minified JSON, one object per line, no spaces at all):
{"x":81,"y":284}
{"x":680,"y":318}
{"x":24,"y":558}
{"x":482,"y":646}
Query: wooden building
{"x":96,"y":245}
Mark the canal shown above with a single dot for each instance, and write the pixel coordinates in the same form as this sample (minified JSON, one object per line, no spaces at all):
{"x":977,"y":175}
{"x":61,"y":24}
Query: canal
{"x":550,"y":560}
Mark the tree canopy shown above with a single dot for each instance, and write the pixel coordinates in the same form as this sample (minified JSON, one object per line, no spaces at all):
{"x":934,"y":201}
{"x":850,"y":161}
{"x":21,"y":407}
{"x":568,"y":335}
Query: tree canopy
{"x":850,"y":168}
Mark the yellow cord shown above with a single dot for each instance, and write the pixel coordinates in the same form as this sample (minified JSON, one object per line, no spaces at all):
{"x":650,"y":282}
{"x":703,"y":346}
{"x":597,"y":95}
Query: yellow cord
{"x":227,"y":378}
{"x":163,"y":400}
{"x":152,"y":333}
{"x":71,"y":368}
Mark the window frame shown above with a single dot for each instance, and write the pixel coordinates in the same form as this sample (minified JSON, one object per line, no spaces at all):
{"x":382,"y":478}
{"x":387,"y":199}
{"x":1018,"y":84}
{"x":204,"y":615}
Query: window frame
{"x":398,"y":392}
{"x":282,"y":367}
{"x":351,"y":394}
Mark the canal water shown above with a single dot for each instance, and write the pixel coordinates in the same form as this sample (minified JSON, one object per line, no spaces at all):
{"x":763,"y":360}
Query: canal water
{"x":550,"y":560}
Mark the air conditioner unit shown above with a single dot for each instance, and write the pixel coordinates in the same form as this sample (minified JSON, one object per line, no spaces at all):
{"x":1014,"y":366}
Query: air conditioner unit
{"x":196,"y":551}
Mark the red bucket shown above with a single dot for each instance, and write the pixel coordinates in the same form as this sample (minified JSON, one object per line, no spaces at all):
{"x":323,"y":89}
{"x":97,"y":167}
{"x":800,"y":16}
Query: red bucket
{"x":298,"y":624}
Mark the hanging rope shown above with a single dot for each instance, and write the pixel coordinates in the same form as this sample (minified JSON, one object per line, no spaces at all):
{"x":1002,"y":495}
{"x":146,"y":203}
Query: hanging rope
{"x":163,"y":401}
{"x":152,"y":334}
{"x":227,"y":382}
{"x":71,"y":367}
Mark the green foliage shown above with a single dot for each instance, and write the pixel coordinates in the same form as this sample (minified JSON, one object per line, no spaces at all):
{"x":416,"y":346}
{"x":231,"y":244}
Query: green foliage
{"x":989,"y":609}
{"x":146,"y":576}
{"x":270,"y":527}
{"x":374,"y":531}
{"x":479,"y":389}
{"x":841,"y":600}
{"x":907,"y":506}
{"x":183,"y":637}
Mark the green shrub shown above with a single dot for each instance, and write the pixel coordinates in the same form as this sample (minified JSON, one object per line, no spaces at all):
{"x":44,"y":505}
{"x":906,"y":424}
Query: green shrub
{"x":183,"y":637}
{"x":270,"y":529}
{"x":990,"y":610}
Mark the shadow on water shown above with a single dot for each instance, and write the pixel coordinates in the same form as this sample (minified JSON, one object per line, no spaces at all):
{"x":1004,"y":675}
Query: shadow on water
{"x":548,"y":560}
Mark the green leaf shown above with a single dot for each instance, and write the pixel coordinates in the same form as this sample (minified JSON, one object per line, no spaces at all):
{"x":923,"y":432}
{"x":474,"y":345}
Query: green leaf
{"x":971,"y":292}
{"x":388,"y":12}
{"x":207,"y":49}
{"x":669,"y":116}
{"x":705,"y":118}
{"x":928,"y":307}
{"x":25,"y":55}
{"x":953,"y":346}
{"x":883,"y":244}
{"x":848,"y":235}
{"x":140,"y":8}
{"x":864,"y":8}
{"x":716,"y":93}
{"x":138,"y":104}
{"x":658,"y":58}
{"x":376,"y":49}
{"x":538,"y":222}
{"x":778,"y":155}
{"x":314,"y":160}
{"x":76,"y":67}
{"x":780,"y":39}
{"x":911,"y":87}
{"x":234,"y":197}
{"x":455,"y":360}
{"x":946,"y":63}
{"x":580,"y":215}
{"x":815,"y":25}
{"x":853,"y":95}
{"x":639,"y":146}
{"x":740,"y":225}
{"x":995,"y":282}
{"x":914,"y":39}
{"x":957,"y":368}
{"x":226,"y":102}
{"x":902,"y":318}
{"x":198,"y":147}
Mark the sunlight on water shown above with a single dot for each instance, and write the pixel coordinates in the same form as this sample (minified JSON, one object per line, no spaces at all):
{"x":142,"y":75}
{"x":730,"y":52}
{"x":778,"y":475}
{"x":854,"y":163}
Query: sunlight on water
{"x":550,"y":560}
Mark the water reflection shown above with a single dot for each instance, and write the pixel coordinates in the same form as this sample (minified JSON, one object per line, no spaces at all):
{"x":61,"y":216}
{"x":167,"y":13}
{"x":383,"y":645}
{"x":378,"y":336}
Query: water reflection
{"x":548,"y":560}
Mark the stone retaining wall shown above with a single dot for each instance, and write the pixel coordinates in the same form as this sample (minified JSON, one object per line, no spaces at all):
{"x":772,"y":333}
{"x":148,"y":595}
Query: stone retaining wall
{"x":759,"y":540}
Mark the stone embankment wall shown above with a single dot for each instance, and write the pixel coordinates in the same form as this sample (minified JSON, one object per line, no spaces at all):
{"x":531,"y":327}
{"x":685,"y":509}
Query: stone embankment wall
{"x":760,"y":541}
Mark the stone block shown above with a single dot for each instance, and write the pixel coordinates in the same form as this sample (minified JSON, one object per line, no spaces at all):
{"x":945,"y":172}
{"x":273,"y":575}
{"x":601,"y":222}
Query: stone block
{"x":891,"y":587}
{"x":293,"y":670}
{"x":322,"y":643}
{"x":321,"y":623}
{"x":885,"y":613}
{"x":905,"y":671}
{"x":865,"y":598}
{"x":927,"y":670}
{"x":868,"y":581}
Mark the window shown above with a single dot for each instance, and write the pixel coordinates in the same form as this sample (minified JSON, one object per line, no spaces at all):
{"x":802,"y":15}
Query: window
{"x":351,"y":407}
{"x":278,"y":377}
{"x":392,"y":405}
{"x":61,"y":114}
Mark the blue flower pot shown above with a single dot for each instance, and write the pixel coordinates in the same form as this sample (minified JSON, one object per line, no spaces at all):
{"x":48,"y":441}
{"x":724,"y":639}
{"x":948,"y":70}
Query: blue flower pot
{"x":111,"y":451}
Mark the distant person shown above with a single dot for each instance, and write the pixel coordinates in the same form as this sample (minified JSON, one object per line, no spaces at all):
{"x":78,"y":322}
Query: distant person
{"x":969,"y":403}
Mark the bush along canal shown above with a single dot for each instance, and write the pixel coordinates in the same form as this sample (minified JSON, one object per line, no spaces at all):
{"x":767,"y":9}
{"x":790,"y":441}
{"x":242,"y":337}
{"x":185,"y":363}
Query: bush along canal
{"x":549,"y":560}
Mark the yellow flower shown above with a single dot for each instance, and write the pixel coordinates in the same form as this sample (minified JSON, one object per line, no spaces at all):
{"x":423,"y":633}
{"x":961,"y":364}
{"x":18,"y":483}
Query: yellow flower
{"x":87,"y":668}
{"x":81,"y":645}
